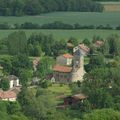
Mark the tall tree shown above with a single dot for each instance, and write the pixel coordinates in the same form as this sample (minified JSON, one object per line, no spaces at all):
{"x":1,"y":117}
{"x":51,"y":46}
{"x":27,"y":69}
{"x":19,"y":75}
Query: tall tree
{"x":17,"y":43}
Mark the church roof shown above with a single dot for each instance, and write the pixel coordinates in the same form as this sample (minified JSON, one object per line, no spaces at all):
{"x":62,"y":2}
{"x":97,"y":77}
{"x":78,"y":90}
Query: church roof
{"x":60,"y":68}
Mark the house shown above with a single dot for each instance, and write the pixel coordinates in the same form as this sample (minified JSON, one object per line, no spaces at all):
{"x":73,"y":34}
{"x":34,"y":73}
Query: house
{"x":67,"y":74}
{"x":65,"y":59}
{"x":70,"y":100}
{"x":98,"y":43}
{"x":8,"y":95}
{"x":36,"y":62}
{"x":62,"y":73}
{"x":82,"y":48}
{"x":14,"y":81}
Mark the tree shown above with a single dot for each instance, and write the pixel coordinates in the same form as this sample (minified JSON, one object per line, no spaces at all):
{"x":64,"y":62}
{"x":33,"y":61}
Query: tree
{"x":17,"y":43}
{"x":74,"y":41}
{"x":86,"y":42}
{"x":95,"y":62}
{"x":25,"y":76}
{"x":102,"y":114}
{"x":13,"y":108}
{"x":7,"y":65}
{"x":114,"y":44}
{"x":44,"y":67}
{"x":37,"y":50}
{"x":4,"y":84}
{"x":19,"y":62}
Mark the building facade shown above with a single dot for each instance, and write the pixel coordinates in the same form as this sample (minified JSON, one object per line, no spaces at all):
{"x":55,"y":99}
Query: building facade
{"x":14,"y":81}
{"x":65,"y":74}
{"x":65,"y":59}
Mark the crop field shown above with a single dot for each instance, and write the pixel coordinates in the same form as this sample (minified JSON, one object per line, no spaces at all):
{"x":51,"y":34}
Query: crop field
{"x":65,"y":34}
{"x":83,"y":18}
{"x":111,"y":6}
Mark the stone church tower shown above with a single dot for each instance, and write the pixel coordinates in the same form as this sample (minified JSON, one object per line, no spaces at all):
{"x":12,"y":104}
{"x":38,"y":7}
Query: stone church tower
{"x":78,"y":63}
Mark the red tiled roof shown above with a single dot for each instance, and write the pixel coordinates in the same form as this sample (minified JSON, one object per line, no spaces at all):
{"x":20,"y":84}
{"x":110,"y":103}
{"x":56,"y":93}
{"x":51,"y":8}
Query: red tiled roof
{"x":99,"y":43}
{"x":67,"y":55}
{"x":84,"y":47}
{"x":59,"y":68}
{"x":7,"y":94}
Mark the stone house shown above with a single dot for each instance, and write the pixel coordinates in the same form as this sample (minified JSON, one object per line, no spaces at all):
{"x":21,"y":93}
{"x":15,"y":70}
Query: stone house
{"x":65,"y":59}
{"x":75,"y":73}
{"x":62,"y":74}
{"x":14,"y":81}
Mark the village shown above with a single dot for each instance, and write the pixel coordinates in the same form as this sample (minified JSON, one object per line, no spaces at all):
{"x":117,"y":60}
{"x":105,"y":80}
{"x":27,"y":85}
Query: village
{"x":69,"y":68}
{"x":67,"y":78}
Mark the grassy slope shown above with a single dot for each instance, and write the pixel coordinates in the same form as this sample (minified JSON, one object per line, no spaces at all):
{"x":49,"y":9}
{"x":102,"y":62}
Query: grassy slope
{"x":65,"y":34}
{"x":84,"y":18}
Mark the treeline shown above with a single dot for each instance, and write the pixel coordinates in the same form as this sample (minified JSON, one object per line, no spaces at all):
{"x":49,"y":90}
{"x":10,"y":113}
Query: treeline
{"x":30,"y":7}
{"x":56,"y":25}
{"x":35,"y":45}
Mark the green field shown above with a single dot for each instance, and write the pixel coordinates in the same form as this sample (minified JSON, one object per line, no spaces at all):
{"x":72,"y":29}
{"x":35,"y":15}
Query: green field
{"x":83,"y":18}
{"x":65,"y":34}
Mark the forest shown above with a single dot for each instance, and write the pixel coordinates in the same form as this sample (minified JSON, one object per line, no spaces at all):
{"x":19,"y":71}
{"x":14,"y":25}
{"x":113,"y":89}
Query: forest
{"x":36,"y":7}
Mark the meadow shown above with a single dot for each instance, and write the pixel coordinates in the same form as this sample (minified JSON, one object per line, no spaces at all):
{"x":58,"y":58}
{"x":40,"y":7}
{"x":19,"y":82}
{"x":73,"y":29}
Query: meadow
{"x":66,"y":34}
{"x":83,"y":18}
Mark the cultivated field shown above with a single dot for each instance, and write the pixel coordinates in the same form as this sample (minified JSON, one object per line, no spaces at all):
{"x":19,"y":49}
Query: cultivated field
{"x":65,"y":34}
{"x":111,"y":6}
{"x":83,"y":18}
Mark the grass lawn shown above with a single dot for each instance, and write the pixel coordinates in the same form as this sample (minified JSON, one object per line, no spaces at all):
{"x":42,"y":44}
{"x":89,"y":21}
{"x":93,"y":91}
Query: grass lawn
{"x":59,"y":89}
{"x":65,"y":34}
{"x":83,"y":18}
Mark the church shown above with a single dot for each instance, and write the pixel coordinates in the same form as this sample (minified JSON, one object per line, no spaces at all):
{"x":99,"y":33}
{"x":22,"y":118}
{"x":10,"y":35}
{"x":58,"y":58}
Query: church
{"x":75,"y":71}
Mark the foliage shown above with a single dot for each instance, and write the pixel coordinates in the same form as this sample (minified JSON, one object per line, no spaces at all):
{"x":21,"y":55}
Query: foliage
{"x":44,"y":67}
{"x":96,"y":61}
{"x":102,"y":114}
{"x":17,"y":43}
{"x":4,"y":84}
{"x":102,"y":84}
{"x":29,"y":7}
{"x":114,"y":44}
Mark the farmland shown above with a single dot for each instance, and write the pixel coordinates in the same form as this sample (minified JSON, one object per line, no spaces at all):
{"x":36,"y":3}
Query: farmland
{"x":111,"y":6}
{"x":65,"y":34}
{"x":83,"y":18}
